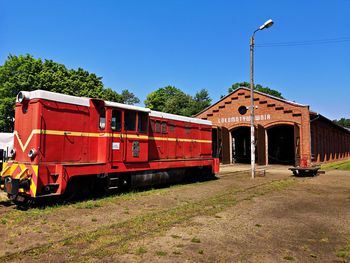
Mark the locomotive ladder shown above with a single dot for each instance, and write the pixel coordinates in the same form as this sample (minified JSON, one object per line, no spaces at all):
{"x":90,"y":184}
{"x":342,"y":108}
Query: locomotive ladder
{"x":113,"y":183}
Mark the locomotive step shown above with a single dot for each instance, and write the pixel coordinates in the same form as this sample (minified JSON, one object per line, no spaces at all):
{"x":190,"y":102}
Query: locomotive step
{"x":113,"y":187}
{"x":113,"y":183}
{"x":113,"y":178}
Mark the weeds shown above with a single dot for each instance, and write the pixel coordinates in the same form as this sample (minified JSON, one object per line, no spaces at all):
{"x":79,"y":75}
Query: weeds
{"x":161,"y":253}
{"x":195,"y":240}
{"x":140,"y":251}
{"x":342,"y":253}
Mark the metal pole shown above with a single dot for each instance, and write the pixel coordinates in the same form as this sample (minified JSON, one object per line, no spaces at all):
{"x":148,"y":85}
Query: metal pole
{"x":267,"y":24}
{"x":252,"y":116}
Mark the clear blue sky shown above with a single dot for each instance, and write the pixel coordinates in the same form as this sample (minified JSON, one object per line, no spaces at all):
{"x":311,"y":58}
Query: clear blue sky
{"x":191,"y":44}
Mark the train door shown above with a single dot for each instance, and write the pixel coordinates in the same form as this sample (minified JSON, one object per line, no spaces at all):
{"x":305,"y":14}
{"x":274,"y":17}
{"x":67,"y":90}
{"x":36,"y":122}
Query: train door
{"x":117,"y":138}
{"x":136,"y":136}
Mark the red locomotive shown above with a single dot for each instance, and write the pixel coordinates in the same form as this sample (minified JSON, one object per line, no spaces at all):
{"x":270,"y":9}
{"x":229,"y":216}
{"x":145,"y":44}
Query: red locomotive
{"x":67,"y":145}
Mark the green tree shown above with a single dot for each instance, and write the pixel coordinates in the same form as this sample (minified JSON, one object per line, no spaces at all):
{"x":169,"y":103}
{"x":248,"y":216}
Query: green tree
{"x":27,"y":73}
{"x":344,"y":122}
{"x":129,"y":97}
{"x":201,"y":101}
{"x":257,"y":87}
{"x":172,"y":100}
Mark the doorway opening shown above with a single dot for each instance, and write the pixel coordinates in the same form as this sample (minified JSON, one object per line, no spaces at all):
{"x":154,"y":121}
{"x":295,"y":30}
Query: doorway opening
{"x":281,"y":144}
{"x":241,"y":145}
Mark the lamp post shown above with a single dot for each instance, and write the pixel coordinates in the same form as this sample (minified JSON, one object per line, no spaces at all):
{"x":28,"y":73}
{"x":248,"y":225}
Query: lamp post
{"x":267,"y":24}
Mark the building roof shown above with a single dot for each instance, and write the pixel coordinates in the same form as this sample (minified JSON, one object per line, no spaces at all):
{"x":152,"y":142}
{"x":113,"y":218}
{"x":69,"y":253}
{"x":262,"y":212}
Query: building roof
{"x":258,"y":92}
{"x":315,"y":116}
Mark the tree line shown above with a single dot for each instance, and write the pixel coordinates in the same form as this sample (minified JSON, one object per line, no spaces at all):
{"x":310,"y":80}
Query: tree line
{"x":27,"y":73}
{"x":344,"y":122}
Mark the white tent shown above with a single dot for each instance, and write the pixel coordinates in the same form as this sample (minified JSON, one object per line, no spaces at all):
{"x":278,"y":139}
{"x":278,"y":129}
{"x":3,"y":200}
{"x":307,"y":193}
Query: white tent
{"x":6,"y":141}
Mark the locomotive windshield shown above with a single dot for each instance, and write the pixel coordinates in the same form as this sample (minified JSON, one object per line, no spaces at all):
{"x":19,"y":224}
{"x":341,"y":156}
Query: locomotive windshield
{"x":130,"y":120}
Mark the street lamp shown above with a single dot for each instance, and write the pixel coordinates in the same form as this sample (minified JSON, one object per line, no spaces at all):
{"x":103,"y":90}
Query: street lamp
{"x":267,"y":24}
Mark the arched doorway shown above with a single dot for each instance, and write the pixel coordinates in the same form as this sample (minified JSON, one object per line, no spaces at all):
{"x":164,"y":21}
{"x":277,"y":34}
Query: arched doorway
{"x":281,"y":148}
{"x":241,"y":145}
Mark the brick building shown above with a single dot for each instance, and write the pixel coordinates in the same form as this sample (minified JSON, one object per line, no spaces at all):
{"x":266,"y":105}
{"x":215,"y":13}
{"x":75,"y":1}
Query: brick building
{"x":286,"y":132}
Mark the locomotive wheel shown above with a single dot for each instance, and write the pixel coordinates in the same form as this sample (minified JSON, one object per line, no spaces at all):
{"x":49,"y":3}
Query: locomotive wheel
{"x":70,"y":192}
{"x":101,"y":186}
{"x":77,"y":188}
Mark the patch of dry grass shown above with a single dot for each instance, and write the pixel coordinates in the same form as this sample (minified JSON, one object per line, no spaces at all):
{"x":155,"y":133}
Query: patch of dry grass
{"x":341,"y":165}
{"x":114,"y":239}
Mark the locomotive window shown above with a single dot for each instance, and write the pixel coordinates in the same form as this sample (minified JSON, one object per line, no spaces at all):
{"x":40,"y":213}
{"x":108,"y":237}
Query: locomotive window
{"x":187,"y":130}
{"x":142,"y":122}
{"x":102,"y":124}
{"x":164,"y":127}
{"x":157,"y":126}
{"x":171,"y":127}
{"x":116,"y":123}
{"x":130,"y":120}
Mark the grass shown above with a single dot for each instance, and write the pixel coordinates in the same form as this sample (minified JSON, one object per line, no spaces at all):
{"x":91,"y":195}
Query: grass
{"x":90,"y":204}
{"x":195,"y":240}
{"x":161,"y":253}
{"x":290,"y":258}
{"x":343,"y":252}
{"x":115,"y":238}
{"x":341,"y":165}
{"x":140,"y":251}
{"x":17,"y":216}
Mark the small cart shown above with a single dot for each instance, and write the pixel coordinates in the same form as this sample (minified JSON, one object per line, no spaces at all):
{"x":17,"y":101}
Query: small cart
{"x":305,"y":171}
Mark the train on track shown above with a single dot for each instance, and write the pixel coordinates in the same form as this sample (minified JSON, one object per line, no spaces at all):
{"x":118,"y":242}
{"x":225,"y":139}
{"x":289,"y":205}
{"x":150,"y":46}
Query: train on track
{"x":67,"y":146}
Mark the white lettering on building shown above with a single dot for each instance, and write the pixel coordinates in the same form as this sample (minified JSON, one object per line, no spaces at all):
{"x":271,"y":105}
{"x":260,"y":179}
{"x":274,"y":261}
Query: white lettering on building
{"x":260,"y":117}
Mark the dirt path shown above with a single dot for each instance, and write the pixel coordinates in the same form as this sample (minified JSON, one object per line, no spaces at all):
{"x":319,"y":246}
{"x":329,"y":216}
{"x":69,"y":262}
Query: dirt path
{"x":233,"y":219}
{"x":307,"y":222}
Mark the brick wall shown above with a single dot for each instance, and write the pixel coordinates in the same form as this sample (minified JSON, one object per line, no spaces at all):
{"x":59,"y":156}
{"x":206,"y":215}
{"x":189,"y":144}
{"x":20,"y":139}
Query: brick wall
{"x":270,"y":112}
{"x":329,"y":142}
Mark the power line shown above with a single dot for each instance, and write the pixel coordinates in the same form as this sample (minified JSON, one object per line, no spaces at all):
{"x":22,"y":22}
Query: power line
{"x":306,"y":43}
